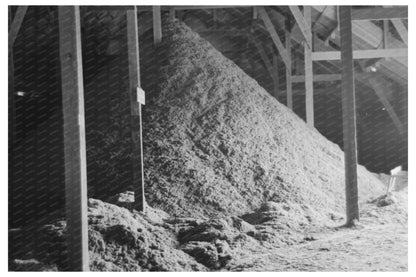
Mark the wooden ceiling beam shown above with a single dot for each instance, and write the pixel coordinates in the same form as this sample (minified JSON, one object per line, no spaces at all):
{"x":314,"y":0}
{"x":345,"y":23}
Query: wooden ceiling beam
{"x":362,"y":77}
{"x":163,"y":8}
{"x":275,"y":37}
{"x":361,"y":54}
{"x":399,"y":12}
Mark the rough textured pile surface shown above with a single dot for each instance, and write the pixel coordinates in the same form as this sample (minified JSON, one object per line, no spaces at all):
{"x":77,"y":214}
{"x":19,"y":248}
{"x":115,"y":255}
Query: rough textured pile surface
{"x":232,"y":176}
{"x":121,"y":239}
{"x":217,"y":143}
{"x":125,"y":240}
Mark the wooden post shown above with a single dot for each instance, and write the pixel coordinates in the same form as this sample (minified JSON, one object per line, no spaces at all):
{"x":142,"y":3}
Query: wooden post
{"x":11,"y":111}
{"x":385,"y":34}
{"x":289,"y":95}
{"x":74,"y":137}
{"x":172,"y":13}
{"x":255,"y":12}
{"x":157,"y":25}
{"x":135,"y":110}
{"x":308,"y":69}
{"x":348,"y":116}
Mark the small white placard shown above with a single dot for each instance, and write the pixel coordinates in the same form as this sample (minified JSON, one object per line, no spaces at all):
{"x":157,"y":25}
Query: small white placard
{"x":396,"y":170}
{"x":141,"y":98}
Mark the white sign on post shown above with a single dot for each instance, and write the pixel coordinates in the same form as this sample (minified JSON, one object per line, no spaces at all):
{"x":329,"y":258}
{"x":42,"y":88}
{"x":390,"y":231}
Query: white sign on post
{"x":141,"y":96}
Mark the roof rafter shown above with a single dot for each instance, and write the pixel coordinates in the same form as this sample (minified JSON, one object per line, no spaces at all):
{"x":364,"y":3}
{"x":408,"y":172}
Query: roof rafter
{"x":302,"y":23}
{"x":272,"y":31}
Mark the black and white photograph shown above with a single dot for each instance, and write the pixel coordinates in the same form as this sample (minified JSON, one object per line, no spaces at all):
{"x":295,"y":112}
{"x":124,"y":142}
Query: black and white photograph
{"x":239,"y":137}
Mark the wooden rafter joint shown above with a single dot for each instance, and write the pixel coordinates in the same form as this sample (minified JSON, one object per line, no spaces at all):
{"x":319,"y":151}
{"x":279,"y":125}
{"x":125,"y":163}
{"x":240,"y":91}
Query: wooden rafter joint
{"x":275,"y":37}
{"x":304,"y":27}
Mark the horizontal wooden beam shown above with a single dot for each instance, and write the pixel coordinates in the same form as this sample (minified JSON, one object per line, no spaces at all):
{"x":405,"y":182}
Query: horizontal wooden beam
{"x":227,"y":32}
{"x":164,"y":8}
{"x":361,"y":54}
{"x":380,"y":13}
{"x":272,"y":31}
{"x":317,"y":78}
{"x":362,"y":77}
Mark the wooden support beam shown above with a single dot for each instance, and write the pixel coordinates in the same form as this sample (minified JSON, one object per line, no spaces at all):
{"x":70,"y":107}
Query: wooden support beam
{"x":135,"y":110}
{"x":362,"y":77}
{"x":305,"y":28}
{"x":399,"y":12}
{"x":11,"y":112}
{"x":171,"y":13}
{"x":157,"y":25}
{"x":74,"y":137}
{"x":317,"y":78}
{"x":289,"y":93}
{"x":361,"y":54}
{"x":335,"y":28}
{"x":349,"y":117}
{"x":255,"y":12}
{"x":386,"y":34}
{"x":379,"y":90}
{"x":401,"y":29}
{"x":272,"y":31}
{"x":163,"y":8}
{"x":308,"y":69}
{"x":16,"y":23}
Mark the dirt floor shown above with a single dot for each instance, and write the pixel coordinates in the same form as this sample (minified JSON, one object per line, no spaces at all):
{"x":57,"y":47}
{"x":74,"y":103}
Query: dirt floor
{"x":370,"y":247}
{"x":123,"y":240}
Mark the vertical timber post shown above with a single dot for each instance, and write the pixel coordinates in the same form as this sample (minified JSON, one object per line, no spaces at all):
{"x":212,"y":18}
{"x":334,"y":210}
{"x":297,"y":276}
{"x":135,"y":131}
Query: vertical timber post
{"x":308,"y":70}
{"x":11,"y":111}
{"x":135,"y":110}
{"x":157,"y":25}
{"x":289,"y":96}
{"x":348,"y":116}
{"x":74,"y":137}
{"x":172,"y":13}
